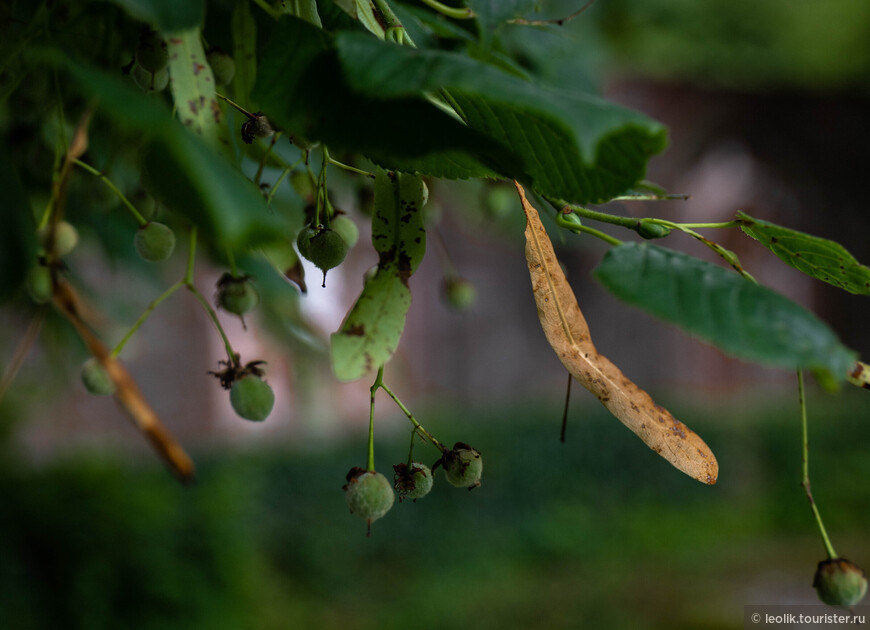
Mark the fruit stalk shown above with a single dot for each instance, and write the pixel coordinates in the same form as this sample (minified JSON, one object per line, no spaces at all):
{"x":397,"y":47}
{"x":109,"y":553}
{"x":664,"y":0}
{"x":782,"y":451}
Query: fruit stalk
{"x":805,"y":482}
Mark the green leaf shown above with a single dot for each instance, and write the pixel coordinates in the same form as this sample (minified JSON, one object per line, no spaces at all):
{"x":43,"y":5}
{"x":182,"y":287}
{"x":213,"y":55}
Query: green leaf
{"x":566,"y":145}
{"x":17,"y":240}
{"x":820,"y":258}
{"x":743,"y":319}
{"x":166,"y":15}
{"x":302,"y":87}
{"x":371,"y":332}
{"x":244,"y":54}
{"x":190,"y":176}
{"x":193,"y":88}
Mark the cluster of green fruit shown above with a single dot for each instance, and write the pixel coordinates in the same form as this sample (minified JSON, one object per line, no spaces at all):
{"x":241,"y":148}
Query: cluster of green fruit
{"x":369,"y":494}
{"x":150,"y":65}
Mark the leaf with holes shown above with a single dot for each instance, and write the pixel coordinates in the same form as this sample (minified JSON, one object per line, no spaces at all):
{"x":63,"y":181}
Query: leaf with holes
{"x":820,"y":258}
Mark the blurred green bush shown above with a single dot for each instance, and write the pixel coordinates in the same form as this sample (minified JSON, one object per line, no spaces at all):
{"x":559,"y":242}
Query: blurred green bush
{"x":598,"y":532}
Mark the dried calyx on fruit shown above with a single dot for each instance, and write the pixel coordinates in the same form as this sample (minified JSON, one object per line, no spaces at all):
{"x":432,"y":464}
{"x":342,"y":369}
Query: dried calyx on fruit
{"x":251,"y":397}
{"x":368,"y":494}
{"x":839,"y":582}
{"x":412,"y":482}
{"x":257,"y":126}
{"x":463,"y":466}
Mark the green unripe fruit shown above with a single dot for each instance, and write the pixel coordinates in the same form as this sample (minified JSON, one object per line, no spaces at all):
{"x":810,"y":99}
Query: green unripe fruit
{"x":154,"y":242}
{"x":252,"y":398}
{"x":347,"y":229}
{"x":96,"y":379}
{"x":327,"y":249}
{"x":649,"y":230}
{"x":303,"y":241}
{"x":839,"y":582}
{"x":66,"y":237}
{"x":222,"y":66}
{"x":568,"y":220}
{"x":414,"y":481}
{"x":463,"y":466}
{"x":459,"y":293}
{"x":368,"y":494}
{"x":150,"y":81}
{"x":39,"y":284}
{"x":237,"y":295}
{"x":152,"y":53}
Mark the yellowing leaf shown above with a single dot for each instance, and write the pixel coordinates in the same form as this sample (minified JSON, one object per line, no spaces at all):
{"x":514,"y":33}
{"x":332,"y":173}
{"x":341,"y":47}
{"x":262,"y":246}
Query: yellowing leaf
{"x":568,"y":333}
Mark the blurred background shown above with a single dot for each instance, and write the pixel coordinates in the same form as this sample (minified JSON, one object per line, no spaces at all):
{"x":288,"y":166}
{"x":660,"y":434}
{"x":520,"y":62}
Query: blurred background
{"x":767,"y":109}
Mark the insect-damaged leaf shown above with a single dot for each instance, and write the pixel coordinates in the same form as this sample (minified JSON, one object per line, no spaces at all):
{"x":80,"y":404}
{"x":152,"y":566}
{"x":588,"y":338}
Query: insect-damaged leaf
{"x":568,"y":333}
{"x":820,"y":258}
{"x":193,"y":88}
{"x":371,"y":331}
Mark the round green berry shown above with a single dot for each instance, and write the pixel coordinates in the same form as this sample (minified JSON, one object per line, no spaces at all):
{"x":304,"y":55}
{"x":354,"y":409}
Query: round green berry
{"x":327,"y":249}
{"x":152,"y":53}
{"x":237,"y":295}
{"x":154,"y":241}
{"x":303,"y":241}
{"x":459,"y":293}
{"x":39,"y":284}
{"x":839,"y":582}
{"x":368,"y":494}
{"x":414,"y":481}
{"x":222,"y":66}
{"x":150,"y":81}
{"x":347,"y":229}
{"x":463,"y":466}
{"x":66,"y":237}
{"x":252,"y":398}
{"x":96,"y":379}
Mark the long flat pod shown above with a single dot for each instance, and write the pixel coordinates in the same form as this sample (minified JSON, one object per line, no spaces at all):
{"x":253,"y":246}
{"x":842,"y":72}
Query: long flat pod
{"x":568,"y":333}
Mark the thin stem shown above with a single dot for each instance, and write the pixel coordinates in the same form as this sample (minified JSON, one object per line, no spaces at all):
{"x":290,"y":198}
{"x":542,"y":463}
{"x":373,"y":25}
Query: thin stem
{"x":806,"y":470}
{"x":595,"y":215}
{"x":652,"y":197}
{"x":350,"y":168}
{"x":144,"y":316}
{"x":191,"y":258}
{"x":278,"y":182}
{"x":262,"y":165}
{"x":598,"y":234}
{"x":108,"y":182}
{"x":557,"y":21}
{"x":565,"y":412}
{"x":370,"y":459}
{"x":411,"y":448}
{"x":231,"y":260}
{"x":411,"y":417}
{"x":726,"y":254}
{"x":214,"y":318}
{"x":722,"y":224}
{"x":237,"y":106}
{"x":451,"y":12}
